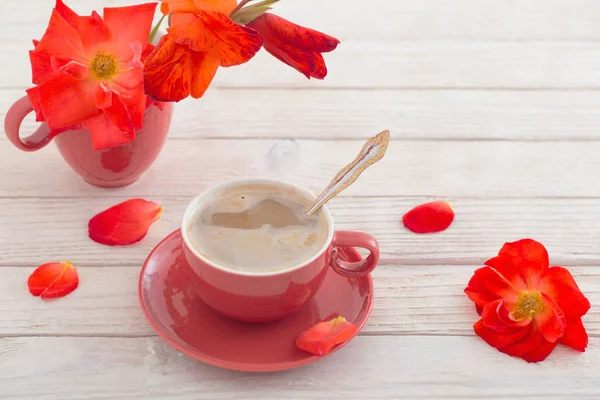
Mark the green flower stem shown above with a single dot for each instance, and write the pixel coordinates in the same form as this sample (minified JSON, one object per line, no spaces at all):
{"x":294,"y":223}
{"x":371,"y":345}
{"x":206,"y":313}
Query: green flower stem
{"x":155,"y":29}
{"x":239,"y":6}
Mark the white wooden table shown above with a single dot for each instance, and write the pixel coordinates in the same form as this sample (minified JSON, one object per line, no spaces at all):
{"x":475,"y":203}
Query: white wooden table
{"x":494,"y":105}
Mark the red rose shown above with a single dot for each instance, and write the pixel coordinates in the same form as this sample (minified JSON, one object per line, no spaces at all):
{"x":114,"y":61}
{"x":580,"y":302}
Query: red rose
{"x":527,"y":307}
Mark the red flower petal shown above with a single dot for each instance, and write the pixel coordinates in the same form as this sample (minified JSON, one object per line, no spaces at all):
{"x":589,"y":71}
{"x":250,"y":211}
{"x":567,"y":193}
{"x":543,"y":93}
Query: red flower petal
{"x":540,"y":353}
{"x":168,"y":71}
{"x":213,"y":32}
{"x":575,"y":336}
{"x":137,"y":19}
{"x":300,"y":60}
{"x":124,"y":223}
{"x":320,"y":71}
{"x":551,"y":320}
{"x":558,"y":283}
{"x":41,"y":67}
{"x":274,"y":27}
{"x":66,"y":101}
{"x":53,"y":280}
{"x":479,"y":294}
{"x":202,"y":77}
{"x":494,"y":316}
{"x":530,"y":257}
{"x":127,"y":113}
{"x":321,"y":338}
{"x":69,"y":15}
{"x":295,"y":45}
{"x":34,"y":99}
{"x":530,"y":342}
{"x":510,"y":271}
{"x":61,"y":39}
{"x":102,"y":97}
{"x":178,"y":6}
{"x":105,"y":133}
{"x":505,"y":317}
{"x":185,"y":61}
{"x":429,"y":217}
{"x":195,"y":6}
{"x":223,"y":6}
{"x":496,"y":339}
{"x":495,"y":284}
{"x":93,"y":30}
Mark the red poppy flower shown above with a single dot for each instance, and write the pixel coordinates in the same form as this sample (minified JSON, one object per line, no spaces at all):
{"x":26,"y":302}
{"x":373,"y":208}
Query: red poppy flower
{"x":430,"y":217}
{"x":89,"y":72}
{"x":124,"y":223}
{"x":324,"y":336}
{"x":198,"y":42}
{"x":296,"y":46}
{"x":527,"y":307}
{"x":53,"y":280}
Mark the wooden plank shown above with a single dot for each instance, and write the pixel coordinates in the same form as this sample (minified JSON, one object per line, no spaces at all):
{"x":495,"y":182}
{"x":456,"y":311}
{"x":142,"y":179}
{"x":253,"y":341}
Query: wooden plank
{"x":30,"y":228}
{"x":368,"y":368}
{"x":409,"y":65}
{"x":409,"y":300}
{"x":352,"y":114}
{"x":399,"y":20}
{"x":428,"y":45}
{"x":418,"y":168}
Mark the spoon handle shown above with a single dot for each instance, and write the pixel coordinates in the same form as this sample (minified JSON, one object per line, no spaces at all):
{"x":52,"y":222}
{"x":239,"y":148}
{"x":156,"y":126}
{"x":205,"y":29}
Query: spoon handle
{"x":372,"y":151}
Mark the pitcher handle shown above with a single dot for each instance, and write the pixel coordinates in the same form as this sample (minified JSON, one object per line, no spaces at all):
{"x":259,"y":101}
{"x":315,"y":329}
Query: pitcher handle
{"x":12,"y":124}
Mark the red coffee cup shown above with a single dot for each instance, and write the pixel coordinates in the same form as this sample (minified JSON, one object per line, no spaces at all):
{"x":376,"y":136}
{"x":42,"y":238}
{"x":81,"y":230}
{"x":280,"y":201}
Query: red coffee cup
{"x":268,"y":296}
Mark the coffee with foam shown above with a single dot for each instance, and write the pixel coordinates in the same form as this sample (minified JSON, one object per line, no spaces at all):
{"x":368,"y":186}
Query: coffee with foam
{"x":257,"y":228}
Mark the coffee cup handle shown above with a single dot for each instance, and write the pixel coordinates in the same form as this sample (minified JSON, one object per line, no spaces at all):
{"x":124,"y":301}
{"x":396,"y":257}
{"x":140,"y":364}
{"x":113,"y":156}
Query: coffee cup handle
{"x":344,"y":239}
{"x":12,"y":124}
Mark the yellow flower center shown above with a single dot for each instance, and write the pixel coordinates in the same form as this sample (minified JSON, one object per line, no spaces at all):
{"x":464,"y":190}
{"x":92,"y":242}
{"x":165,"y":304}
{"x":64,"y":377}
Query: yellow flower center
{"x":103,"y":65}
{"x":528,"y":305}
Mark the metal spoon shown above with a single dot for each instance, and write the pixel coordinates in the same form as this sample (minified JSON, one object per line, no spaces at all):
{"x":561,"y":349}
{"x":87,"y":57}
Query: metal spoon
{"x":372,"y":151}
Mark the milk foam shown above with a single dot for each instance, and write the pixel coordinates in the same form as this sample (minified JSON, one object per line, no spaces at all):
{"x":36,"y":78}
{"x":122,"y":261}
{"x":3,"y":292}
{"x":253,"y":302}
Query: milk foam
{"x":257,"y":228}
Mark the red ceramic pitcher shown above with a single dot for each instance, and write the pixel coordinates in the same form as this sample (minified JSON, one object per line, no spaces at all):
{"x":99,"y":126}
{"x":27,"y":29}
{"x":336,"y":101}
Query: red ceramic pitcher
{"x":109,"y":168}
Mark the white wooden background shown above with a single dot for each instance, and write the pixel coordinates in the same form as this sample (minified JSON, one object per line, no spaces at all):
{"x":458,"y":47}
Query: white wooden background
{"x":494,"y":105}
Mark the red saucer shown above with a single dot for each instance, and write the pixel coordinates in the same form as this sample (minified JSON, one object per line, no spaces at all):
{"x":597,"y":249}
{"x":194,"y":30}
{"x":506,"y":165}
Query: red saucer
{"x":186,"y":323}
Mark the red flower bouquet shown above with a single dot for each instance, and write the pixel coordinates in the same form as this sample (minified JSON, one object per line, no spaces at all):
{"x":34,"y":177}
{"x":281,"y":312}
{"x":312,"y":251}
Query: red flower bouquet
{"x":101,"y":73}
{"x":103,"y":90}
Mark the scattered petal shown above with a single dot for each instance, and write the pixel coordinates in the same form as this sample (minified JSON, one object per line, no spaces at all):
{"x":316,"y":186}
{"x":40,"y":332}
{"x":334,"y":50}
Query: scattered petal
{"x":53,"y":280}
{"x":430,"y":217}
{"x":124,"y":223}
{"x":322,"y":337}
